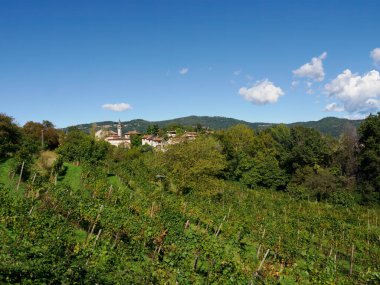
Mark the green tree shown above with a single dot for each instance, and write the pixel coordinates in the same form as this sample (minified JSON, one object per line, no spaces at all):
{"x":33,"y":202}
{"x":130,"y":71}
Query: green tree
{"x":136,"y":140}
{"x":263,"y":170}
{"x":308,"y":148}
{"x":346,"y":156}
{"x":282,"y":137}
{"x":44,"y":131}
{"x":80,"y":147}
{"x":237,"y":143}
{"x":369,"y":157}
{"x":153,"y":129}
{"x":10,"y":136}
{"x":194,"y":165}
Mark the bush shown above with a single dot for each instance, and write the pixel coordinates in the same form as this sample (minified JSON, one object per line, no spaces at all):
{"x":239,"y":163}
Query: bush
{"x":343,"y":198}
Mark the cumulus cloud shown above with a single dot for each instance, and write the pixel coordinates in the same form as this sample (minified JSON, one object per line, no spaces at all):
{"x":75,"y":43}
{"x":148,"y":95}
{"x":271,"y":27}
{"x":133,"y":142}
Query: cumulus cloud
{"x":334,"y":107}
{"x":313,"y":69}
{"x":118,"y":107}
{"x":263,"y":92}
{"x":356,"y":93}
{"x":375,"y":55}
{"x":184,"y":71}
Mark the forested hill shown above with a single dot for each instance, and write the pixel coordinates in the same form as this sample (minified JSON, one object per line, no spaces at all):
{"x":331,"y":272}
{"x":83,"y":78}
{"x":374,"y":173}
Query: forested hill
{"x":330,"y":125}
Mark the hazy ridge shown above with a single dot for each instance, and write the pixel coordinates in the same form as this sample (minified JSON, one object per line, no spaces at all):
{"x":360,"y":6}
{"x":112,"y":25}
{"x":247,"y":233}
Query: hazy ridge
{"x":329,"y":125}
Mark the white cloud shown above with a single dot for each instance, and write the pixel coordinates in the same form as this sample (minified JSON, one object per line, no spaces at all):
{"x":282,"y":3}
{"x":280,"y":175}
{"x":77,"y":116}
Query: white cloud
{"x":356,"y":116}
{"x":237,"y":72}
{"x":334,"y":107}
{"x":263,"y":92}
{"x":119,"y":107}
{"x":356,"y":94}
{"x":184,"y":71}
{"x":375,"y":55}
{"x":312,"y":70}
{"x":249,"y":77}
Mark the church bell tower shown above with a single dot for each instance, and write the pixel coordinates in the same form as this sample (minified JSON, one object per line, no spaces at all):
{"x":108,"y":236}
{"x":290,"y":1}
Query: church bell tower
{"x":119,"y":131}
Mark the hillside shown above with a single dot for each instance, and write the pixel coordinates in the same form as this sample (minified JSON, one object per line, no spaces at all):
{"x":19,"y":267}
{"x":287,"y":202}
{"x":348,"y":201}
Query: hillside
{"x":137,"y":232}
{"x":329,"y":125}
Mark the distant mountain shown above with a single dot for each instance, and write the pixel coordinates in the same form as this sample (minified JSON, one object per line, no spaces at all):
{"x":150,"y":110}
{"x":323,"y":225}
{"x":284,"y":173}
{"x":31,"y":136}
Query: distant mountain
{"x":330,"y":125}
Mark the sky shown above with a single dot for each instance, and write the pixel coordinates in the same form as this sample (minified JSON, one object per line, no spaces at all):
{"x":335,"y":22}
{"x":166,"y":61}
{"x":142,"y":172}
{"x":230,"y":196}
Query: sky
{"x":74,"y":62}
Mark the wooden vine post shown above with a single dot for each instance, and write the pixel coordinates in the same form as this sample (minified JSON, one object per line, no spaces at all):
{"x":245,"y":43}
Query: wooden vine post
{"x":255,"y":274}
{"x":95,"y":222}
{"x":19,"y":179}
{"x":352,"y":258}
{"x":34,"y":177}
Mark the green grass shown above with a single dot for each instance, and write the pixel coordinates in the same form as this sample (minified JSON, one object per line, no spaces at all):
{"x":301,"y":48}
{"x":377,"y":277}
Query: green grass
{"x":5,"y":167}
{"x":115,"y":181}
{"x":72,"y":176}
{"x":80,"y":235}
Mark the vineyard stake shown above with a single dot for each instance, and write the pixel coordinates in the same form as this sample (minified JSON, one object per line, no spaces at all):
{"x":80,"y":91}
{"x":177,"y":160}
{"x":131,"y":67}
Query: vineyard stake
{"x":298,"y":235}
{"x":229,"y":211}
{"x":97,"y":236}
{"x":195,"y":262}
{"x":263,"y":234}
{"x":352,"y":258}
{"x":217,"y":232}
{"x":331,"y":249}
{"x":19,"y":180}
{"x":151,"y":210}
{"x":258,"y":251}
{"x":262,"y":261}
{"x":96,"y":220}
{"x":109,"y":191}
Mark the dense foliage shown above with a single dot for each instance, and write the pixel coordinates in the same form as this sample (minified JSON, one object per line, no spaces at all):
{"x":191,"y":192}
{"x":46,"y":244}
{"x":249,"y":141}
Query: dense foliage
{"x":280,"y":206}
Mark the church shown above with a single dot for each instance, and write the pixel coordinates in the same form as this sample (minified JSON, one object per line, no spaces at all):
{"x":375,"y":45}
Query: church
{"x":116,"y":139}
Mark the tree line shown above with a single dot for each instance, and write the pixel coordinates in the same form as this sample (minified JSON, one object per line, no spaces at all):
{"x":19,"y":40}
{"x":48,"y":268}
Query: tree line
{"x":297,"y":160}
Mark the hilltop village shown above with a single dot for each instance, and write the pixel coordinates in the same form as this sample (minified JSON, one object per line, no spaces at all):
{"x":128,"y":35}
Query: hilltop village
{"x":158,"y":142}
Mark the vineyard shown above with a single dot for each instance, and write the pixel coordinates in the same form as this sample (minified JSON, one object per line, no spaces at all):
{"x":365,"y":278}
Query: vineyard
{"x":115,"y":229}
{"x":280,"y":206}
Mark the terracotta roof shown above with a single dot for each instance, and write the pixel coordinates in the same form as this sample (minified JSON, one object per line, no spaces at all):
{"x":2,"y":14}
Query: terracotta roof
{"x":134,"y":132}
{"x":116,"y":139}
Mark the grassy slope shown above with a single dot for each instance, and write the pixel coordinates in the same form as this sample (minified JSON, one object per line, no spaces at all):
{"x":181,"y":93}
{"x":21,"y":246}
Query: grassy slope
{"x":5,"y":167}
{"x":72,"y":176}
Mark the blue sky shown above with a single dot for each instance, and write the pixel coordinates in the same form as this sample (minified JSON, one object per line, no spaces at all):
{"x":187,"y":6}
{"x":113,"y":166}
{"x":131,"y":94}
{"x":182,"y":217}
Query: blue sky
{"x":74,"y":62}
